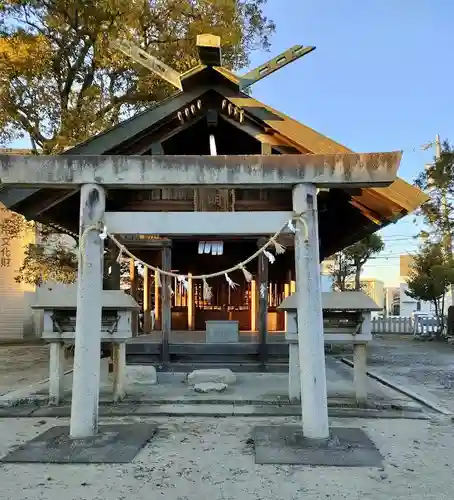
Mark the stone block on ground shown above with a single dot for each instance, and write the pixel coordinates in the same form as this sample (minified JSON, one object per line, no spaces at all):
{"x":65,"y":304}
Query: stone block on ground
{"x":217,"y":376}
{"x":146,"y":375}
{"x":114,"y":444}
{"x":210,"y":387}
{"x":286,"y":445}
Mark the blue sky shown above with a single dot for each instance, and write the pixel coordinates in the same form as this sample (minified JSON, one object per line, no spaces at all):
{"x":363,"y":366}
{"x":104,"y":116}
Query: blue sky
{"x":381,"y":79}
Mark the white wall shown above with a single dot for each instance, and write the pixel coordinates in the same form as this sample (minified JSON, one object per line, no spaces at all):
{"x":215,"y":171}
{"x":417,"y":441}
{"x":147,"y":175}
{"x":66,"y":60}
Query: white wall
{"x":327,"y":283}
{"x":16,"y":317}
{"x":408,"y":305}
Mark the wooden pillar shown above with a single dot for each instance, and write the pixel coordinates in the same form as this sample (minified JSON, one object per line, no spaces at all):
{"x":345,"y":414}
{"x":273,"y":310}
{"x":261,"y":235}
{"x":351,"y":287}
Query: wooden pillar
{"x":112,"y":278}
{"x":286,"y":294}
{"x":166,"y":316}
{"x":263,"y":304}
{"x":190,"y":302}
{"x":309,"y":316}
{"x":157,"y":297}
{"x":146,"y":301}
{"x":253,"y":306}
{"x":111,"y":274}
{"x":107,"y":259}
{"x":133,"y":281}
{"x":87,"y":366}
{"x":115,"y":271}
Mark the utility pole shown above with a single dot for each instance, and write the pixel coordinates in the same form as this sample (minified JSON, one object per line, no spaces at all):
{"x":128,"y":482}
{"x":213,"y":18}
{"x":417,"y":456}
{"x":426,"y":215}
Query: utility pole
{"x":437,"y":147}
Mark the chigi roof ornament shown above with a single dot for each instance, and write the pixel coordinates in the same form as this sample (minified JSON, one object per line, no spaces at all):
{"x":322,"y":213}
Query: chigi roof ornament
{"x":210,"y":55}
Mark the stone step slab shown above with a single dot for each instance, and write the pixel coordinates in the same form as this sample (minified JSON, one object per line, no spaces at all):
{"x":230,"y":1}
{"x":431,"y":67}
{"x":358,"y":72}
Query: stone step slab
{"x":216,"y":376}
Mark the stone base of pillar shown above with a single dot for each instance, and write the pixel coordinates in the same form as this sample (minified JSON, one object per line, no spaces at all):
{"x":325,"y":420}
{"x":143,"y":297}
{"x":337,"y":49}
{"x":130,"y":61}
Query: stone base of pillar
{"x":294,"y":380}
{"x":113,"y":444}
{"x":285,"y":444}
{"x":119,"y":365}
{"x":360,"y":373}
{"x":56,"y":372}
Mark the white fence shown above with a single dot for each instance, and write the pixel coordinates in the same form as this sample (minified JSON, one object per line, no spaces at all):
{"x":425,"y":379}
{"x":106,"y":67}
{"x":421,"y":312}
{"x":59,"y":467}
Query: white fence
{"x":405,"y":326}
{"x":392,"y":325}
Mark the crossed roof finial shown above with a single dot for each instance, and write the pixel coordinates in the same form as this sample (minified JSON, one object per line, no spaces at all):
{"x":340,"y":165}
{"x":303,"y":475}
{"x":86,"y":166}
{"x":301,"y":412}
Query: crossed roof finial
{"x":210,"y":54}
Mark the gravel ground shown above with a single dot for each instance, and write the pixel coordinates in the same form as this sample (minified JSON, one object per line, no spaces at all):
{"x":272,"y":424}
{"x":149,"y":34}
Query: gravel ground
{"x":22,"y":365}
{"x":213,"y":459}
{"x":425,"y":367}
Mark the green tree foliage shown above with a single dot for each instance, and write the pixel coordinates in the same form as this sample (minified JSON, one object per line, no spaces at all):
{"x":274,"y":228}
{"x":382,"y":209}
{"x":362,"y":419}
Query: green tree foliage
{"x":438,"y":181}
{"x":431,"y":274}
{"x":50,"y":258}
{"x":62,"y":82}
{"x":342,"y":272}
{"x":349,"y":263}
{"x":359,"y":253}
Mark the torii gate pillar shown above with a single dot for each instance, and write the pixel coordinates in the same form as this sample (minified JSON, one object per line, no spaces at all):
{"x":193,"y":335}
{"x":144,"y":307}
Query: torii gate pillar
{"x":314,"y":401}
{"x":87,"y":369}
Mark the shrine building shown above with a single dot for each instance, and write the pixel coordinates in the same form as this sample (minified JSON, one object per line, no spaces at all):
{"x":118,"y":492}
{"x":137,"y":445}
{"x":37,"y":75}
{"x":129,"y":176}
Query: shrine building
{"x":211,"y":114}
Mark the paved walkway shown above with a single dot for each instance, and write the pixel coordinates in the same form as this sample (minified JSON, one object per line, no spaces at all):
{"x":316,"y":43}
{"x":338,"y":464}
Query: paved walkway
{"x":249,"y":389}
{"x":425,"y":367}
{"x":22,"y":366}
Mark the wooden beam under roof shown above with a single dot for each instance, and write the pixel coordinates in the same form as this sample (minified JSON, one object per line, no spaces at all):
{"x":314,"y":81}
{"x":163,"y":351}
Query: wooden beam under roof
{"x":137,"y":125}
{"x":399,"y":194}
{"x":275,"y":140}
{"x":374,"y":217}
{"x":56,"y":196}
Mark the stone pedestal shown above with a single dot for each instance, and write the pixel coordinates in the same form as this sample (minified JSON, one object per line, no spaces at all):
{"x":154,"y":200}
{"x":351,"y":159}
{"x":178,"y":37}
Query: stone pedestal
{"x":222,"y":332}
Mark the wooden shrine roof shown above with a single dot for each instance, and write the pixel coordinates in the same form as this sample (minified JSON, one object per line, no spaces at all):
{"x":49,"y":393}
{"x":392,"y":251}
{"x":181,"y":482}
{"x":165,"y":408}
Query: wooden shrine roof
{"x":392,"y":202}
{"x":379,"y":206}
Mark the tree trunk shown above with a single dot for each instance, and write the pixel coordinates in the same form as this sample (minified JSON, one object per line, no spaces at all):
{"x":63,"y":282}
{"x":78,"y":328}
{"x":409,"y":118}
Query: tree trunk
{"x":357,"y":277}
{"x":437,"y":315}
{"x":442,"y":317}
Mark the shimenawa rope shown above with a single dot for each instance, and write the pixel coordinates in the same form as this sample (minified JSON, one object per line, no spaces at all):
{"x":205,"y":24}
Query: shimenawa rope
{"x":183,"y":278}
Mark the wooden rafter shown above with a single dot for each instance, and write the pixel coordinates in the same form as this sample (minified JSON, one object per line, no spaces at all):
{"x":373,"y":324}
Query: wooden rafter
{"x":370,"y":214}
{"x":58,"y":196}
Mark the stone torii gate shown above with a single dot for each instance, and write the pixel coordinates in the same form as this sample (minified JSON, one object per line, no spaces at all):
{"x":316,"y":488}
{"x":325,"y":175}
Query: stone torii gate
{"x":93,"y":175}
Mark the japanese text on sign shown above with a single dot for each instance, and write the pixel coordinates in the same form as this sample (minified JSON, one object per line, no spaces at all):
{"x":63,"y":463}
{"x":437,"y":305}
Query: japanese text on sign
{"x":5,"y":251}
